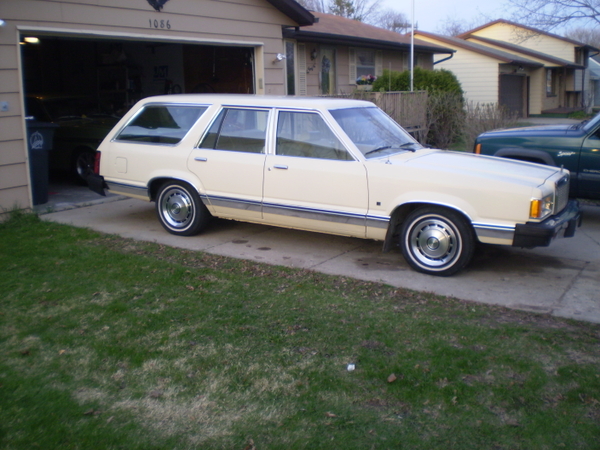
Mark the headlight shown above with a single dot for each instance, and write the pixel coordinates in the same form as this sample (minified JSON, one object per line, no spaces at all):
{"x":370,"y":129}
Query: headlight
{"x":541,"y":208}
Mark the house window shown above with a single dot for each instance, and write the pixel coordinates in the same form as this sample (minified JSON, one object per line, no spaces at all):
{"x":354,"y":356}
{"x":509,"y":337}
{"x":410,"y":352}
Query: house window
{"x":365,"y":63}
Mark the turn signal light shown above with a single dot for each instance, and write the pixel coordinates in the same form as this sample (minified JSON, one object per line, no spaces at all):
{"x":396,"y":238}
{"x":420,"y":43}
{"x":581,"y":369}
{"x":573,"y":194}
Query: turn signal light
{"x":535,"y":210}
{"x":477,"y":150}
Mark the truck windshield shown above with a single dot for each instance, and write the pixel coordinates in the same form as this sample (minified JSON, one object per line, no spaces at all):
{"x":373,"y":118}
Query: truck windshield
{"x":592,"y":123}
{"x":373,"y":132}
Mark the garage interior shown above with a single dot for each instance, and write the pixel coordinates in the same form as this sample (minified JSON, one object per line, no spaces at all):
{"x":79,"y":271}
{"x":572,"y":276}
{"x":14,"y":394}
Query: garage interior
{"x":113,"y":74}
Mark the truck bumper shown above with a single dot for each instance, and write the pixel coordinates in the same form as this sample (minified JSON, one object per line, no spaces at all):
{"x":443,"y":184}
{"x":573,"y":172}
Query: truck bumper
{"x":564,"y":224}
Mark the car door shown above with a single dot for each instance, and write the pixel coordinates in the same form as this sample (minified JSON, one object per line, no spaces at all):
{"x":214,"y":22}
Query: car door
{"x":589,"y":166}
{"x":229,"y":161}
{"x":311,"y":181}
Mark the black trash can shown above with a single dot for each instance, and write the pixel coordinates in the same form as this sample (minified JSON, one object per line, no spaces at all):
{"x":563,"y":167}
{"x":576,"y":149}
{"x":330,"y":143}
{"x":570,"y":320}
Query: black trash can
{"x":40,"y":136}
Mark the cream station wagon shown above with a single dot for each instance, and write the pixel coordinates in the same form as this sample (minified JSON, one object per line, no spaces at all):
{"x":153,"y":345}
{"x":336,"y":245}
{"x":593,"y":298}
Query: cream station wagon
{"x":328,"y":165}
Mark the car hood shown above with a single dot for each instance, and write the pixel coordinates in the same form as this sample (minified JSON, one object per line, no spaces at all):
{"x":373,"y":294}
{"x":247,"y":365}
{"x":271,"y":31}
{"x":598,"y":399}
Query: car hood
{"x":469,"y":165}
{"x":540,"y":130}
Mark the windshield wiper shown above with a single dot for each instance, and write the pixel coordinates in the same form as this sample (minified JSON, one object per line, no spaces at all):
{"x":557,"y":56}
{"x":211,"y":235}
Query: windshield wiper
{"x":401,"y":147}
{"x":579,"y":125}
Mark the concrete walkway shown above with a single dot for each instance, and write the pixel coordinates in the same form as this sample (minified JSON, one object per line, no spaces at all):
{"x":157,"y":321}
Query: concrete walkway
{"x":562,"y":280}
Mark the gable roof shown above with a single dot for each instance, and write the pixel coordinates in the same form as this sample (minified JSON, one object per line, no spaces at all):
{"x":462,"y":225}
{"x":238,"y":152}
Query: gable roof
{"x":471,"y":33}
{"x":294,"y":11}
{"x":338,"y":30}
{"x":502,"y":56}
{"x":553,"y":60}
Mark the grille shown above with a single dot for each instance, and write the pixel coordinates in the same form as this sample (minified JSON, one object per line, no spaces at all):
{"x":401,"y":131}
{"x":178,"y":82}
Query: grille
{"x":562,"y":194}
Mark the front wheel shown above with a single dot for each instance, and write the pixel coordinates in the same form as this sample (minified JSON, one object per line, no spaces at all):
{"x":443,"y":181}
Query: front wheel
{"x":180,"y":210}
{"x":437,"y":241}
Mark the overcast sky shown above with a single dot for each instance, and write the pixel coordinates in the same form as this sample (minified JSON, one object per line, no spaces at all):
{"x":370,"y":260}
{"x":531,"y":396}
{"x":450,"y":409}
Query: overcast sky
{"x":430,"y":15}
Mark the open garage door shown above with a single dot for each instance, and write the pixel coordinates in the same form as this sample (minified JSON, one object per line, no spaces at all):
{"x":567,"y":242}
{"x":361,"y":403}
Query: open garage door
{"x":85,"y":85}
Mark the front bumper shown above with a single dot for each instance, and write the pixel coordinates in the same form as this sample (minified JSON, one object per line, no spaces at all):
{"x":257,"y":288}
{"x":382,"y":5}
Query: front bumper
{"x":97,"y":184}
{"x":564,"y":224}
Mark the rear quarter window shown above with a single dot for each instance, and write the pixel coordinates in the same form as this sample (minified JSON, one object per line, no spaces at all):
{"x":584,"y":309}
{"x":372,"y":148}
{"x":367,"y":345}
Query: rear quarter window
{"x":161,"y":124}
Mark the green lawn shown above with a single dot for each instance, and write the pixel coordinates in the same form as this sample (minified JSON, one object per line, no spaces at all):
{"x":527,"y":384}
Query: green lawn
{"x":109,"y":343}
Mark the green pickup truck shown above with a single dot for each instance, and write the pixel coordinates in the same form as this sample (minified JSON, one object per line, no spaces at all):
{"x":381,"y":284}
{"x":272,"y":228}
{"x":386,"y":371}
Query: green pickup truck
{"x":575,"y":147}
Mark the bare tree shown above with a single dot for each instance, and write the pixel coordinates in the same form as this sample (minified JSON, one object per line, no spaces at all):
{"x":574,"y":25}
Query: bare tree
{"x":393,"y":20}
{"x":314,"y":5}
{"x":361,"y":10}
{"x":453,"y":26}
{"x":590,"y":36}
{"x":550,"y":14}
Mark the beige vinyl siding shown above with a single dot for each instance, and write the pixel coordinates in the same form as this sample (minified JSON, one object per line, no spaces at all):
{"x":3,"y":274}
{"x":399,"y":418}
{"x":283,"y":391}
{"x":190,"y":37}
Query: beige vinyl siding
{"x":478,"y":74}
{"x":249,"y":23}
{"x":525,"y":38}
{"x":537,"y":90}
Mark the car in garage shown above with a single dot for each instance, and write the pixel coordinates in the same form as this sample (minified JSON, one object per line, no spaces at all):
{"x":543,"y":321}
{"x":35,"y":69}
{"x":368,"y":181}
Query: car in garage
{"x":327,"y":165}
{"x":576,"y":147}
{"x":81,"y":126}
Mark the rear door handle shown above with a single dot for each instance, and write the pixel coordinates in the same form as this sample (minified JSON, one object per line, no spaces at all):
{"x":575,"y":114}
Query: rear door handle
{"x":280,"y":166}
{"x":200,"y":158}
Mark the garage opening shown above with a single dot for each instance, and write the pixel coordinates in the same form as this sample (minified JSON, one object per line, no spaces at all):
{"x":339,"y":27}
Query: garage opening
{"x":83,"y":86}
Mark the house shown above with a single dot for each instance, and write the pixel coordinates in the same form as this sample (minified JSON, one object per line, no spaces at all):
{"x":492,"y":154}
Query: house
{"x":524,"y":69}
{"x":358,"y":49}
{"x":116,"y":52}
{"x":594,"y":67}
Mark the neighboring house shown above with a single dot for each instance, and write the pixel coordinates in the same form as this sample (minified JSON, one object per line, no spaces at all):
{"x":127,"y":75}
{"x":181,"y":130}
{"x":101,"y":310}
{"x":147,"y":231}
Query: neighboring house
{"x":594,"y":68}
{"x":527,"y":70}
{"x":120,"y":51}
{"x":335,"y":52}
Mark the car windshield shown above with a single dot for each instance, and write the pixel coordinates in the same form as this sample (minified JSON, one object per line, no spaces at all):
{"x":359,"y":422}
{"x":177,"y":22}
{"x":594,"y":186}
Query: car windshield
{"x":374,"y":132}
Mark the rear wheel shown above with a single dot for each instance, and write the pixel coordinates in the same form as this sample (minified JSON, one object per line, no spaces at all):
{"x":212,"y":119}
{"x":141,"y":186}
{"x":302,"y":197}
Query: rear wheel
{"x":437,"y":241}
{"x":180,"y":210}
{"x":83,"y":164}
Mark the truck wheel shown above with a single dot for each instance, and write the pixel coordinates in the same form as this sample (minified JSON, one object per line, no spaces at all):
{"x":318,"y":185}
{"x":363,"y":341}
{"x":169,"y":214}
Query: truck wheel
{"x":180,"y":210}
{"x":437,"y":241}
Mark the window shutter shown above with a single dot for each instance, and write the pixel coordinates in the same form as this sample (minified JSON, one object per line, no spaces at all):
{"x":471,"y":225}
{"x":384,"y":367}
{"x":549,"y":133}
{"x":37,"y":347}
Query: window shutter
{"x":301,"y":60}
{"x":378,"y":63}
{"x":352,"y":67}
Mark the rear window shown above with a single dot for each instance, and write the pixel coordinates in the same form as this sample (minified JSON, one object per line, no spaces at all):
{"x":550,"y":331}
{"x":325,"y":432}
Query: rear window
{"x":161,"y":124}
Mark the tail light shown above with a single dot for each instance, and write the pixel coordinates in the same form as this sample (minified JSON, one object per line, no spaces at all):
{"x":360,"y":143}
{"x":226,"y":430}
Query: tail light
{"x":477,"y":150}
{"x":97,"y":163}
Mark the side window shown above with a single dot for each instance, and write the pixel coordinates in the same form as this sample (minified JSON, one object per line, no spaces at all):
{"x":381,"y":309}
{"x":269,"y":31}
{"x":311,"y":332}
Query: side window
{"x":161,"y":124}
{"x":307,"y":135}
{"x":237,"y":129}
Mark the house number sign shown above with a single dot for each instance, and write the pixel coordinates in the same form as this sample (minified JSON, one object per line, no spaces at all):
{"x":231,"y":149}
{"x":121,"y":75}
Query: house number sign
{"x":159,"y":24}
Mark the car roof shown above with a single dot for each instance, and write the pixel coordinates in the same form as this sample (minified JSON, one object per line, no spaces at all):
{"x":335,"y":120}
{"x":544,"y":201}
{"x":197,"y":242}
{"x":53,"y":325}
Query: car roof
{"x":260,"y":100}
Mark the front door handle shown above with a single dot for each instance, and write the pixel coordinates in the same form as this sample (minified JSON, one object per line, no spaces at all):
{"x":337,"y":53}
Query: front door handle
{"x":280,"y":166}
{"x":200,"y":158}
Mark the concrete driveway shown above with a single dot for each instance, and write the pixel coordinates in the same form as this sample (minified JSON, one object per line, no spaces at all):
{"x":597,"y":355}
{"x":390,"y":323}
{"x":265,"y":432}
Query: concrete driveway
{"x":563,"y":279}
